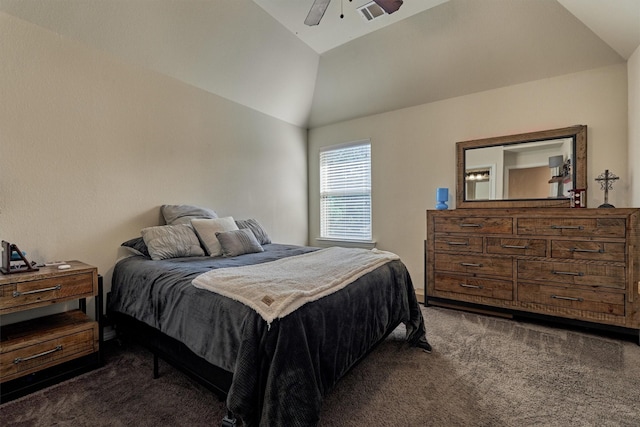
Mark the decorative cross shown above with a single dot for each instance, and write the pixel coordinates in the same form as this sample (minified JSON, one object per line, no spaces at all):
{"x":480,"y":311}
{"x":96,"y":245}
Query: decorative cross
{"x":606,"y":183}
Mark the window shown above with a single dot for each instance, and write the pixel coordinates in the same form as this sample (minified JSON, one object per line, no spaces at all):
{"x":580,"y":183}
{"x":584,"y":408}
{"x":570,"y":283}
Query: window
{"x":345,"y":192}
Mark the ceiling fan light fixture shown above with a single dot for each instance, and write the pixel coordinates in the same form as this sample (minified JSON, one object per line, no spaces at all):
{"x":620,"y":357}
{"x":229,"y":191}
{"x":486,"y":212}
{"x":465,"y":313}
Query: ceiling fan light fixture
{"x":370,"y":11}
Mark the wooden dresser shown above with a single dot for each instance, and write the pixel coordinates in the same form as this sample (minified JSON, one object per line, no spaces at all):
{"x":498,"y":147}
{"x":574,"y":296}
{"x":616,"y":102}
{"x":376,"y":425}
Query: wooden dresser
{"x":41,"y":351}
{"x":578,"y":264}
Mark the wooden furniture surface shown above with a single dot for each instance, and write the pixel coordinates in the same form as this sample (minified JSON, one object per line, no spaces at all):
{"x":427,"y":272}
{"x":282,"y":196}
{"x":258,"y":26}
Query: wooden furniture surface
{"x":576,"y":264}
{"x":578,"y":176}
{"x":34,"y":346}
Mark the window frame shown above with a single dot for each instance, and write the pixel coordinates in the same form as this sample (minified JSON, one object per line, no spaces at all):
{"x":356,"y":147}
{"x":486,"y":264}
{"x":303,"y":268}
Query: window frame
{"x":353,"y":191}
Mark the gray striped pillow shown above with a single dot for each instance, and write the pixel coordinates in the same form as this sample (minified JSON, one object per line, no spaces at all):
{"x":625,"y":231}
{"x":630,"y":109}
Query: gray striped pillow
{"x":253,"y":225}
{"x":238,"y":242}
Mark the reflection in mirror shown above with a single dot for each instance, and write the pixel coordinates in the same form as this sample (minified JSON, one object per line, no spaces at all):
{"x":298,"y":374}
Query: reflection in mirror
{"x":520,"y":171}
{"x":480,"y":183}
{"x":525,"y":170}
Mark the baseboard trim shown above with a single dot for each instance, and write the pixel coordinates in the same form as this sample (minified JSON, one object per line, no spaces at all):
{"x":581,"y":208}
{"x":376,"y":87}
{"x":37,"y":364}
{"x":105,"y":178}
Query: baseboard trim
{"x":471,"y":309}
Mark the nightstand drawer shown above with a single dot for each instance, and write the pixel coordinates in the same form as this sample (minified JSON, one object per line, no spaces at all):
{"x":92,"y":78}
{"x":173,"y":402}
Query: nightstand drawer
{"x":37,"y":344}
{"x":607,"y":276}
{"x":490,"y":288}
{"x":474,"y":264}
{"x":22,"y":295}
{"x":588,"y":250}
{"x":479,"y":225}
{"x":572,"y":299}
{"x":572,"y":227}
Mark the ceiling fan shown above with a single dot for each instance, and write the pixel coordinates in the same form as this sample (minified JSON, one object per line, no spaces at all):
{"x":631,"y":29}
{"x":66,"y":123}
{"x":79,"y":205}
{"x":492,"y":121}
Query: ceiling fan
{"x":320,"y":6}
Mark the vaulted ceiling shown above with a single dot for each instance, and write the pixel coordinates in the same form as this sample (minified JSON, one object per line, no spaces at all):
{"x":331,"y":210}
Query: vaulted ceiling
{"x":255,"y":53}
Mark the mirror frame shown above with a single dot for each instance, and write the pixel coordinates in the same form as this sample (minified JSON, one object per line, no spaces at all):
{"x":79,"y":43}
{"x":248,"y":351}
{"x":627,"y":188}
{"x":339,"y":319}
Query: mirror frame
{"x":579,"y":135}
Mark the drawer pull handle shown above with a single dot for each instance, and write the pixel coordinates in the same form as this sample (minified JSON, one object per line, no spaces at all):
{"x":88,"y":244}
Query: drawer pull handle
{"x":595,"y":251}
{"x":35,"y":356}
{"x":567,"y":298}
{"x":568,"y":273}
{"x":567,"y":227}
{"x":470,"y":225}
{"x":470,"y":264}
{"x":37,"y":291}
{"x":515,"y":246}
{"x":464,"y":285}
{"x":458,"y":243}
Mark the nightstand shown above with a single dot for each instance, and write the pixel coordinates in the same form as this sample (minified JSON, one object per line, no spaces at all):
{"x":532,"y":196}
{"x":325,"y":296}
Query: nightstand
{"x":42,"y":351}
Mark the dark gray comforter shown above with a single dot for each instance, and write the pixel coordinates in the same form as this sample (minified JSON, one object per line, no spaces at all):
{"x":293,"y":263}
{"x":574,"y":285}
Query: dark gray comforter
{"x":281,"y":373}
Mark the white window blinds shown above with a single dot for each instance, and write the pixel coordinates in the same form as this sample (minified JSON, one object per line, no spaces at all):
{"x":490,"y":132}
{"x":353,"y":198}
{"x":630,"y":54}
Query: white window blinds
{"x":345,"y":192}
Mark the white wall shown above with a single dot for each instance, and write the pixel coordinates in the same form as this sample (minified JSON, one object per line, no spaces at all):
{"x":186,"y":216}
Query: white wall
{"x":633,"y":70}
{"x":413,"y":149}
{"x":91,"y":147}
{"x":231,"y":48}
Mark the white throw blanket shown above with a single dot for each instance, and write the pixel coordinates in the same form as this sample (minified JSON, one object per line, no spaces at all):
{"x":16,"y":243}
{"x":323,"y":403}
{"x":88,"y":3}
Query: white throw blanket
{"x":277,"y":288}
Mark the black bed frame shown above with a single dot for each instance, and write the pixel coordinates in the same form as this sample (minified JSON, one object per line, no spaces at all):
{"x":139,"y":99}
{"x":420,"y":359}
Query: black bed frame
{"x":174,"y":352}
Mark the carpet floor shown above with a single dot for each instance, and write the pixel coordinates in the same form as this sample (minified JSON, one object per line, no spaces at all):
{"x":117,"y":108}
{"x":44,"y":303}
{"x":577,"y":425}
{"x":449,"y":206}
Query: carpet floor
{"x":484,"y":371}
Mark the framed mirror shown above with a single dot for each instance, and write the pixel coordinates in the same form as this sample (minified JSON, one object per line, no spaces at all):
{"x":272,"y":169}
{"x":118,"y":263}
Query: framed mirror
{"x":536,"y":169}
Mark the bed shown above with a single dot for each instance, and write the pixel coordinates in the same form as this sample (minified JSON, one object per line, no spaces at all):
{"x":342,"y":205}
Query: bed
{"x":272,"y":372}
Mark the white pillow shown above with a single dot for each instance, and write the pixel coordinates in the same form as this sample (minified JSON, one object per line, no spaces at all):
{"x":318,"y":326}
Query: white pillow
{"x":206,"y":230}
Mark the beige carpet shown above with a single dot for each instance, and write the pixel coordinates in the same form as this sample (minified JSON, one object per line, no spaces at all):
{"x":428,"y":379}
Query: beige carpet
{"x":484,"y":371}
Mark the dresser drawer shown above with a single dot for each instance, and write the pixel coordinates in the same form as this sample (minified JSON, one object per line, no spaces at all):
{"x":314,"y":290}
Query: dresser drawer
{"x":48,"y":341}
{"x":476,"y":225}
{"x":588,"y":250}
{"x":571,"y":298}
{"x":474,"y":265}
{"x":22,"y":295}
{"x":511,"y":246}
{"x":606,"y":276}
{"x":466,"y":244}
{"x":490,"y":288}
{"x":572,"y":227}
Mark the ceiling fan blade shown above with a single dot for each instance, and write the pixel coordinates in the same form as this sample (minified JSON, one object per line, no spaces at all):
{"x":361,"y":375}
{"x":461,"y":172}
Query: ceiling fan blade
{"x":317,"y":12}
{"x":389,"y":6}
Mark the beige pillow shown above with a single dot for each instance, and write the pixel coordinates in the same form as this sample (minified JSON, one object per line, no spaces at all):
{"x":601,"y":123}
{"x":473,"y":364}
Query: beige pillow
{"x":206,"y":230}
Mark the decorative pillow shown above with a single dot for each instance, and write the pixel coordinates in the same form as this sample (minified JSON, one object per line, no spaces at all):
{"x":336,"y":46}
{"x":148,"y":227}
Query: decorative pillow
{"x":206,"y":230}
{"x":183,"y":214}
{"x":137,"y":246}
{"x":253,"y":225}
{"x":171,"y":241}
{"x":238,"y":242}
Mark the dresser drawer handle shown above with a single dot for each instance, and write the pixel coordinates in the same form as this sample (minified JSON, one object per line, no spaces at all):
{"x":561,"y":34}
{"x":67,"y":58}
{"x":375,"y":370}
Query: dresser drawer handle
{"x":37,"y":291}
{"x":515,"y":246}
{"x":458,"y":243}
{"x":35,"y":356}
{"x":594,"y":251}
{"x":464,"y":285}
{"x":470,"y":264}
{"x":567,"y":298}
{"x":568,"y":273}
{"x":470,"y":225}
{"x":567,"y":227}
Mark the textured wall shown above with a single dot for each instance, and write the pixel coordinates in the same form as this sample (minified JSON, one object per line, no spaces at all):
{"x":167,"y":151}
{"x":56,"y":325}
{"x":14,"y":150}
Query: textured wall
{"x":413,"y":149}
{"x":91,"y":147}
{"x":633,"y":70}
{"x":231,"y":48}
